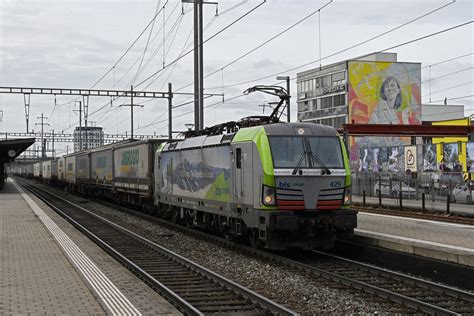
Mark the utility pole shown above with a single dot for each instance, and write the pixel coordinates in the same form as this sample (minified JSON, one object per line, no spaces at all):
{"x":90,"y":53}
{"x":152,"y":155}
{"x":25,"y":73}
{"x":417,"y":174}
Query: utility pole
{"x":80,"y":124}
{"x":85,"y":99}
{"x":198,"y":62}
{"x":52,"y":149}
{"x":170,"y":109}
{"x":131,"y":105}
{"x":43,"y":149}
{"x":26,"y":98}
{"x":287,"y":78}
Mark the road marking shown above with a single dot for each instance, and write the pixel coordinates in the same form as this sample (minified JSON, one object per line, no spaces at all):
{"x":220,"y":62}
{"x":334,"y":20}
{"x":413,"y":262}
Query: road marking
{"x":112,"y":297}
{"x":416,"y":242}
{"x":420,"y":220}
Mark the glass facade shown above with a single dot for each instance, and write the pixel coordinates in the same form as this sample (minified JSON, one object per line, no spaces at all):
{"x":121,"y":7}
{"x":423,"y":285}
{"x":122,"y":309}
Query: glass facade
{"x":323,"y":99}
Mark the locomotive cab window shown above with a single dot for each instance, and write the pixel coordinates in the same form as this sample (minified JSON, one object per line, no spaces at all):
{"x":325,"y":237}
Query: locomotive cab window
{"x":306,"y":152}
{"x":238,"y":158}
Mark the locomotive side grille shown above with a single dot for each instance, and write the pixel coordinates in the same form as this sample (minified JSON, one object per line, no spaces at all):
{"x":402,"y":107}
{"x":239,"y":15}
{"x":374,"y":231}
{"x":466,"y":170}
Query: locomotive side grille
{"x":330,"y":199}
{"x":290,"y":199}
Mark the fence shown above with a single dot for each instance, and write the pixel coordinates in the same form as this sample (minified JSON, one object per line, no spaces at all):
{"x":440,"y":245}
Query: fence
{"x":387,"y":188}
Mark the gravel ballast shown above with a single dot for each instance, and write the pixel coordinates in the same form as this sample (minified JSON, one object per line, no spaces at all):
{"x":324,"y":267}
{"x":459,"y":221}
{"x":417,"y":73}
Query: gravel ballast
{"x":294,"y":289}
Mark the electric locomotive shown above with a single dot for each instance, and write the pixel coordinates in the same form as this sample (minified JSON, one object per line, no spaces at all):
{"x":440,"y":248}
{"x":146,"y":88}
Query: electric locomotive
{"x":278,"y":185}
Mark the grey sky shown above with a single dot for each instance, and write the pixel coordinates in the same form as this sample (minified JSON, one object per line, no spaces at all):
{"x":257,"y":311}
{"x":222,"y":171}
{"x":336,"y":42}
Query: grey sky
{"x":72,"y":43}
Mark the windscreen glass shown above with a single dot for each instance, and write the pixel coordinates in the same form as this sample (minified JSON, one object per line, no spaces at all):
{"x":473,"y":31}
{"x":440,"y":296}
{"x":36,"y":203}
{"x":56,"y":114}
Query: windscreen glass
{"x":306,"y":152}
{"x":288,"y":151}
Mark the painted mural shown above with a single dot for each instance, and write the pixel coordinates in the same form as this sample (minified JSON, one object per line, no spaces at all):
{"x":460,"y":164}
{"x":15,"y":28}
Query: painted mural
{"x":396,"y":159}
{"x":383,"y":93}
{"x":450,"y":161}
{"x":196,"y":173}
{"x":470,"y":156}
{"x":429,"y":158}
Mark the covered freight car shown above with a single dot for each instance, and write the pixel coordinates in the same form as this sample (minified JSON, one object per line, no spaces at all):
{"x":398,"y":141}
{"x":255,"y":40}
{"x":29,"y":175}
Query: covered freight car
{"x":37,"y":170}
{"x":70,"y":170}
{"x":101,"y":162}
{"x":29,"y":170}
{"x":61,"y":170}
{"x":50,"y":170}
{"x":133,"y":171}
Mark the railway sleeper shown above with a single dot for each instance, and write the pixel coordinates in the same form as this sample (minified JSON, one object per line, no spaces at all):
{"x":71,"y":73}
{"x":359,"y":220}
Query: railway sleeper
{"x":218,"y":301}
{"x":184,"y":283}
{"x":197,"y":287}
{"x":220,"y":294}
{"x":226,"y":309}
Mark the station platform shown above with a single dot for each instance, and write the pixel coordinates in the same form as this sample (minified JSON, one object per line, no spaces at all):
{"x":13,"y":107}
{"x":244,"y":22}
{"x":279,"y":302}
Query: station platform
{"x":48,"y":267}
{"x":433,"y":239}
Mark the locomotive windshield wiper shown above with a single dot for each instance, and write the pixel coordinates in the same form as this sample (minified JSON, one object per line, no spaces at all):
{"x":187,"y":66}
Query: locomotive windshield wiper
{"x":299,"y":163}
{"x":326,"y":169}
{"x":303,"y":155}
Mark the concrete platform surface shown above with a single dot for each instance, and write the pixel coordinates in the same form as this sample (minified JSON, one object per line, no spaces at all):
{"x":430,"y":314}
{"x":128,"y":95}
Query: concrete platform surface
{"x":444,"y":241}
{"x":48,"y":267}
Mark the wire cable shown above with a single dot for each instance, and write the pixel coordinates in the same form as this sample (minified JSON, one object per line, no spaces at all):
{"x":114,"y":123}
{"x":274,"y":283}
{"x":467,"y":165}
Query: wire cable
{"x":351,"y":47}
{"x":205,"y":41}
{"x":262,"y":44}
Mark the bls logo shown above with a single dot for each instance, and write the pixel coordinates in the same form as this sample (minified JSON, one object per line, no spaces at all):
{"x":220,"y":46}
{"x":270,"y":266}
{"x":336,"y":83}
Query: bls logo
{"x":288,"y":185}
{"x":284,"y":184}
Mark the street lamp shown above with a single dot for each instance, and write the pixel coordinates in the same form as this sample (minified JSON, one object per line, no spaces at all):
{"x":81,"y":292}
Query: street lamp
{"x":287,"y":78}
{"x":189,"y":126}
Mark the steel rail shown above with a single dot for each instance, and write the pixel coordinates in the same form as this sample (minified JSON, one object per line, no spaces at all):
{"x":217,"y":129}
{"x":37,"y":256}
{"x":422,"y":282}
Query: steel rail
{"x":440,"y":288}
{"x":181,"y":304}
{"x":394,"y":297}
{"x":256,"y":298}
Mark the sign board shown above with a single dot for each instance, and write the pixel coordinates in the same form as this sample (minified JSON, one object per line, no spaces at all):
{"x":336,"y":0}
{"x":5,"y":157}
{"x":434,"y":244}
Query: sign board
{"x":410,"y":158}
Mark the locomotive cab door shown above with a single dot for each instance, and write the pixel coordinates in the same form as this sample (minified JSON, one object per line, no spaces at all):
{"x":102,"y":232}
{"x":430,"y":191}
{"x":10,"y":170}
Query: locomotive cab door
{"x":238,"y":190}
{"x":243,"y":175}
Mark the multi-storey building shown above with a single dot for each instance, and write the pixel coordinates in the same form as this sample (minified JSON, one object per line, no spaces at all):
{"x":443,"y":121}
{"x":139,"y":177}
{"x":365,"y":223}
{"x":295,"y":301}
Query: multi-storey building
{"x":353,"y":91}
{"x":89,"y":137}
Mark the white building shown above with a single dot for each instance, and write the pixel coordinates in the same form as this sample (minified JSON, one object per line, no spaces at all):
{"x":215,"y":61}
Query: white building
{"x":89,"y":137}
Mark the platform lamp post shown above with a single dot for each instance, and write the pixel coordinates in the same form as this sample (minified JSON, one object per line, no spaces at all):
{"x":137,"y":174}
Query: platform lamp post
{"x":287,"y":78}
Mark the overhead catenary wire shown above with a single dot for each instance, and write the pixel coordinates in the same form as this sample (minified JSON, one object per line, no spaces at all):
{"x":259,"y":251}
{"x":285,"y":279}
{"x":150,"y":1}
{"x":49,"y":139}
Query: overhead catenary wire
{"x":116,"y":63}
{"x":205,"y":41}
{"x":263,"y":43}
{"x":398,"y":45}
{"x":320,"y":59}
{"x":118,"y":97}
{"x":449,"y":88}
{"x":148,"y":39}
{"x":456,"y":98}
{"x":349,"y":48}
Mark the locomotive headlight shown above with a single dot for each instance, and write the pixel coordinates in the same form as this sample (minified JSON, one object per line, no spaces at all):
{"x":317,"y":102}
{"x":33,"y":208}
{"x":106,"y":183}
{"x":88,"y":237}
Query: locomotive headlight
{"x":268,"y":196}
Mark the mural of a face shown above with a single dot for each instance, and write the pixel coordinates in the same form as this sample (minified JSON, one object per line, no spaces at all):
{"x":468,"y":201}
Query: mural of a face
{"x":391,"y":90}
{"x":383,"y":93}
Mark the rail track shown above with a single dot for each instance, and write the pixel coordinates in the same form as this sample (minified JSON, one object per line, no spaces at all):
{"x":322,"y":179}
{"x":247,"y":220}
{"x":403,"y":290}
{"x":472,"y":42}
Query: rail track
{"x":412,"y":294}
{"x":193,"y":289}
{"x":416,"y":293}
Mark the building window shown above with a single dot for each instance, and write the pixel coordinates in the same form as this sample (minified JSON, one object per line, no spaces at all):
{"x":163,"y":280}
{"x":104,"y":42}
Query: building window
{"x":337,"y":77}
{"x":326,"y":102}
{"x":327,"y":81}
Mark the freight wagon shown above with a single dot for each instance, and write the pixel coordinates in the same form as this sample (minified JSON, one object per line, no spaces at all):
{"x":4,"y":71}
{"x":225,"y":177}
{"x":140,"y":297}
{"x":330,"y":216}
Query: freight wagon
{"x":70,"y":170}
{"x":37,"y":170}
{"x":132,"y":177}
{"x":61,"y":170}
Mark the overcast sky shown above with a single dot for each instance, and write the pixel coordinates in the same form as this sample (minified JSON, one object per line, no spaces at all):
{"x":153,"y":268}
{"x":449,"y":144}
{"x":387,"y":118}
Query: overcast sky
{"x":71,"y":44}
